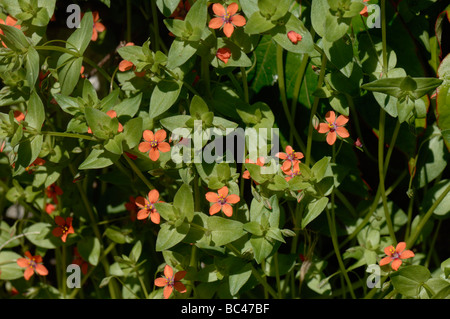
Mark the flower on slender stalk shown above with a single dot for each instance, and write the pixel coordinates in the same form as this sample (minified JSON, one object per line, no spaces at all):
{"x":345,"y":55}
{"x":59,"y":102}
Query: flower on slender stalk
{"x":223,"y":54}
{"x":334,"y":126}
{"x":226,"y":18}
{"x":294,"y":37}
{"x":154,"y":143}
{"x":63,"y":228}
{"x":147,"y":206}
{"x":221,"y":201}
{"x":395,"y":255}
{"x":11,"y":22}
{"x":170,"y":281}
{"x":289,"y":158}
{"x":98,"y":26}
{"x":32,"y":264}
{"x":53,"y":191}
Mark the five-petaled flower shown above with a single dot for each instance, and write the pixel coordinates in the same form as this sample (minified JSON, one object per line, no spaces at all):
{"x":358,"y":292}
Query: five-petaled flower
{"x":226,"y":18}
{"x":223,"y":54}
{"x":154,"y":143}
{"x":98,"y":26}
{"x":395,"y":255}
{"x":221,"y":201}
{"x":147,"y":206}
{"x":170,"y":281}
{"x":53,"y":191}
{"x":334,"y":126}
{"x":64,"y":227}
{"x":289,"y":158}
{"x":294,"y":37}
{"x":11,"y":22}
{"x":32,"y":264}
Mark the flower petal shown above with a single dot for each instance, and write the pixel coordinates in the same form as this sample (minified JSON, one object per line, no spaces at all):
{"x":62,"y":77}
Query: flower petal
{"x":148,"y":135}
{"x":167,"y":292}
{"x":385,"y":261}
{"x":406,"y":254}
{"x":143,"y":214}
{"x":396,"y":264}
{"x":155,"y":218}
{"x":227,"y":210}
{"x":323,"y":128}
{"x":180,"y":275}
{"x":23,"y":262}
{"x":212,"y":197}
{"x":331,"y":138}
{"x":330,"y":117}
{"x":160,"y":135}
{"x":180,"y":287}
{"x":99,"y":27}
{"x":160,"y":282}
{"x":144,"y":147}
{"x":60,"y":221}
{"x":57,"y":232}
{"x":28,"y":273}
{"x":341,"y":120}
{"x":228,"y":29}
{"x":388,"y":250}
{"x":342,"y":132}
{"x":125,"y":65}
{"x":238,"y":20}
{"x":214,"y":209}
{"x":215,"y":23}
{"x":153,"y":196}
{"x":233,"y":199}
{"x":223,"y":191}
{"x":164,"y":147}
{"x":153,"y":154}
{"x":218,"y":9}
{"x":168,"y":271}
{"x":41,"y":270}
{"x":281,"y":155}
{"x":141,"y":201}
{"x":400,"y":247}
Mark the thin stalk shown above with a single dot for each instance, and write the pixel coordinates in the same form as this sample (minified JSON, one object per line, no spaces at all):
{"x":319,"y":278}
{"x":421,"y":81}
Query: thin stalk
{"x":277,"y":274}
{"x":70,"y":135}
{"x":281,"y":85}
{"x":144,"y":289}
{"x":314,"y":110}
{"x":245,"y":85}
{"x":138,"y":172}
{"x":155,"y":24}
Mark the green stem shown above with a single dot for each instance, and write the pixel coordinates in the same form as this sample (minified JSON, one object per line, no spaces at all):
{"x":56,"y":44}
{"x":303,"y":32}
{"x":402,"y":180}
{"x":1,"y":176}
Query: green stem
{"x":144,"y":289}
{"x":155,"y":24}
{"x":314,"y":110}
{"x":138,"y":172}
{"x":411,"y":240}
{"x":245,"y":85}
{"x":71,"y":135}
{"x":281,"y":85}
{"x":277,"y":274}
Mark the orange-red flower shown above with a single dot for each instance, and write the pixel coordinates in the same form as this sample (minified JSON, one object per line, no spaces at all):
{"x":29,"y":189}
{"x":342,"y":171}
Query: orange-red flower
{"x":98,"y":26}
{"x":147,"y":206}
{"x":112,"y":114}
{"x":37,"y":162}
{"x":181,"y":11}
{"x":154,"y":143}
{"x":223,"y":54}
{"x":364,"y":11}
{"x":132,"y":208}
{"x":334,"y":127}
{"x":294,"y":37}
{"x":53,"y":191}
{"x":294,"y":171}
{"x":2,"y":146}
{"x":78,"y":260}
{"x":395,"y":255}
{"x":32,"y":264}
{"x":19,"y":116}
{"x":126,"y":65}
{"x":221,"y":201}
{"x":170,"y":281}
{"x":226,"y":18}
{"x":64,"y":227}
{"x":49,"y":208}
{"x":289,"y":158}
{"x":11,"y":22}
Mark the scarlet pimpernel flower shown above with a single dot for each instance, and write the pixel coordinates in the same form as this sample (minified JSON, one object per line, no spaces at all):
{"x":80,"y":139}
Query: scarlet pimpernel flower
{"x":294,"y":171}
{"x":396,"y":255}
{"x":223,"y":54}
{"x":53,"y":191}
{"x":170,"y":281}
{"x":364,"y":11}
{"x":289,"y":158}
{"x":98,"y":26}
{"x":64,"y":227}
{"x":154,"y":143}
{"x":221,"y":201}
{"x":334,"y":127}
{"x":32,"y":264}
{"x":294,"y":37}
{"x":226,"y":18}
{"x":11,"y":22}
{"x":147,"y":206}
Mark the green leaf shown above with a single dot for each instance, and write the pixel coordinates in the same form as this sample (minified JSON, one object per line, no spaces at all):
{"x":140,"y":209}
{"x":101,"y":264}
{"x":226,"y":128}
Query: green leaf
{"x":224,"y":231}
{"x":36,"y":112}
{"x":69,"y":72}
{"x":180,"y":51}
{"x":261,"y":248}
{"x":89,"y":249}
{"x":169,"y":235}
{"x":409,"y":280}
{"x":6,"y":233}
{"x":166,"y":211}
{"x":197,"y":15}
{"x":99,"y":158}
{"x":136,"y":251}
{"x":184,"y":202}
{"x":163,"y":97}
{"x":320,"y":168}
{"x":40,"y":235}
{"x":29,"y":150}
{"x":167,"y":7}
{"x":257,"y":24}
{"x":128,"y":107}
{"x":313,"y":210}
{"x":404,"y":109}
{"x":14,"y":38}
{"x":442,"y":210}
{"x":280,"y":265}
{"x":133,"y":132}
{"x":68,"y":104}
{"x":81,"y":37}
{"x":32,"y":66}
{"x":114,"y":145}
{"x":340,"y":54}
{"x":9,"y":269}
{"x":238,"y":278}
{"x":98,"y":121}
{"x":253,"y":228}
